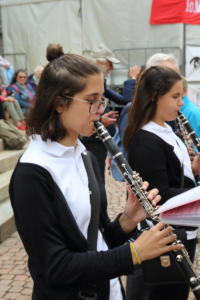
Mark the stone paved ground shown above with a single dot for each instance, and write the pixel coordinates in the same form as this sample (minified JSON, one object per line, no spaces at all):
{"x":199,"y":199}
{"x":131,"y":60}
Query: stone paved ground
{"x":15,"y":281}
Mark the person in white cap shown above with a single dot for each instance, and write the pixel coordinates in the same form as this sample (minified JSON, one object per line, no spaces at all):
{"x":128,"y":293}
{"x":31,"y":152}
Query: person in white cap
{"x":105,"y":58}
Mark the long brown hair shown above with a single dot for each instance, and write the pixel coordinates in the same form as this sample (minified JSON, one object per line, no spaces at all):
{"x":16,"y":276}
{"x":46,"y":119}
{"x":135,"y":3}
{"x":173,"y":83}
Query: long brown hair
{"x":153,"y":83}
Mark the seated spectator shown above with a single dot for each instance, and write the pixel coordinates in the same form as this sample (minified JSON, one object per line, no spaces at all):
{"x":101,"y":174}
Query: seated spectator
{"x":6,"y":71}
{"x":12,"y":137}
{"x":21,"y":90}
{"x":34,"y":78}
{"x":12,"y":106}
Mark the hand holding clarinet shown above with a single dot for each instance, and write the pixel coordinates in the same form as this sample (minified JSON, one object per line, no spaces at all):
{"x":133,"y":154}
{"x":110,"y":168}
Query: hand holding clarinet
{"x":153,"y":242}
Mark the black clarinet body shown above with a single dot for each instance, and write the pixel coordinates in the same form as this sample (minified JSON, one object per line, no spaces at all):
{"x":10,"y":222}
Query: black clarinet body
{"x":134,"y":181}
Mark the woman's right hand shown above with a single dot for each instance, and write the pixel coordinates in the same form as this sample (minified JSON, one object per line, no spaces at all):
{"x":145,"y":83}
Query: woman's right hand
{"x":154,"y":242}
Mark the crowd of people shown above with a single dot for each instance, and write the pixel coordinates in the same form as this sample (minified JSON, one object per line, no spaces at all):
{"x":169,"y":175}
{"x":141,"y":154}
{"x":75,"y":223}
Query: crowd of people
{"x":74,"y":250}
{"x":17,"y":92}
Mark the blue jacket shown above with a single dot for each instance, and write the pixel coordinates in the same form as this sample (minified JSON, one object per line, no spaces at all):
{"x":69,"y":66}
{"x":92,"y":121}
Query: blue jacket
{"x":128,"y":89}
{"x":192,"y":113}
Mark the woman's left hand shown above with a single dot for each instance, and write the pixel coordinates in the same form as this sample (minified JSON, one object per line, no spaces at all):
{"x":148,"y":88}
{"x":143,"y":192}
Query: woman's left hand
{"x":133,"y":211}
{"x":196,"y":165}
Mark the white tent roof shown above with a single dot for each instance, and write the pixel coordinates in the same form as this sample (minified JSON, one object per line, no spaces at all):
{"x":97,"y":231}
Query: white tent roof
{"x":79,"y":25}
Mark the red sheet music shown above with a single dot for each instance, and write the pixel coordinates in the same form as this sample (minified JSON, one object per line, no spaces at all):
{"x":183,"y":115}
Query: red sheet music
{"x":183,"y":209}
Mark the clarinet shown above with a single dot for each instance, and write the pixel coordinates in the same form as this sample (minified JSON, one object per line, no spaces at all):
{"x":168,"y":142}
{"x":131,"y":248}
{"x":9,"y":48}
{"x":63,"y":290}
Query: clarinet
{"x":186,"y":131}
{"x":134,"y":181}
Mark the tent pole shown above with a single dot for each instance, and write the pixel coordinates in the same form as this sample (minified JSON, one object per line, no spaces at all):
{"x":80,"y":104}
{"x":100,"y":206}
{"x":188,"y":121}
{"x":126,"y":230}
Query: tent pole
{"x":82,"y":34}
{"x":184,"y":49}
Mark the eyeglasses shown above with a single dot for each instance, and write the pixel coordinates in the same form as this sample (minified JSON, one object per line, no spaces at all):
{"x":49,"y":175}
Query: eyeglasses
{"x":21,"y":76}
{"x":94,"y":104}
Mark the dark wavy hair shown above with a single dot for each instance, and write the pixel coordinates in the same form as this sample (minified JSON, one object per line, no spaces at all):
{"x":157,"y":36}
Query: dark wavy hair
{"x":14,"y":78}
{"x":63,"y":76}
{"x":153,"y":83}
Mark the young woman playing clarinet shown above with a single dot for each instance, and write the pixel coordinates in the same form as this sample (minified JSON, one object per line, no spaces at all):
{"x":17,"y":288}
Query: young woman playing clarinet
{"x":158,"y":154}
{"x":51,"y":191}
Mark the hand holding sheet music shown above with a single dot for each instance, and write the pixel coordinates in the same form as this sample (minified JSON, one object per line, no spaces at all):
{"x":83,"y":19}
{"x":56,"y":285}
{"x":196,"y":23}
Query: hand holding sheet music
{"x":183,"y":209}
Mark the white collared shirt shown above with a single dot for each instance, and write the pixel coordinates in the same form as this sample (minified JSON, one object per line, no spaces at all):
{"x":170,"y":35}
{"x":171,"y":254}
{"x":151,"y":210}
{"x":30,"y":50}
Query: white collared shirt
{"x":166,"y":133}
{"x":67,"y":169}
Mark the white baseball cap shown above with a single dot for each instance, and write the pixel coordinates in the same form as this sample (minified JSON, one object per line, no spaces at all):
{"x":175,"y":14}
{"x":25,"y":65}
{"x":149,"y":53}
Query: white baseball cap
{"x":103,"y":53}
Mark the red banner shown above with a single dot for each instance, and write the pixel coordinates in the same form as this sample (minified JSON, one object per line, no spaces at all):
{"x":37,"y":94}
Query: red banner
{"x":192,"y":12}
{"x":175,"y":11}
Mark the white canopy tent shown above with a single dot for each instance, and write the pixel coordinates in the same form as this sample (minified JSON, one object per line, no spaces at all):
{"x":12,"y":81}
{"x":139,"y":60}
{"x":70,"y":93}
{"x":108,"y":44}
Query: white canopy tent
{"x":80,"y":25}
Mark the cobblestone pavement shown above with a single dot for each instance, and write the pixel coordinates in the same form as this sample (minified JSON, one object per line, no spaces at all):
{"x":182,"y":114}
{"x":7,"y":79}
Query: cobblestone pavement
{"x":15,"y":281}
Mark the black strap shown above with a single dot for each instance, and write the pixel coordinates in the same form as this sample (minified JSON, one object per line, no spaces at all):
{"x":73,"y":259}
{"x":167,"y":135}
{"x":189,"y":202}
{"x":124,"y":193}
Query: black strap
{"x":94,"y":200}
{"x":182,"y":170}
{"x":182,"y":177}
